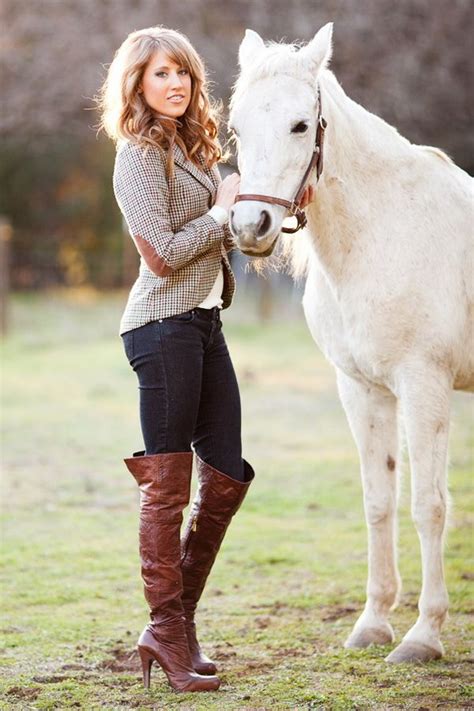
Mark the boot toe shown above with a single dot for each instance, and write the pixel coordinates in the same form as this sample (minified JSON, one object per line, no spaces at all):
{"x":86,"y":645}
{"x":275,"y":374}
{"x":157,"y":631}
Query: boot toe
{"x":205,"y":668}
{"x":203,"y":683}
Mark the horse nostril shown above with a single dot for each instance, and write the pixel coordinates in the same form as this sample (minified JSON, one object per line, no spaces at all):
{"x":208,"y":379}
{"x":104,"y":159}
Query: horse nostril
{"x":264,"y":223}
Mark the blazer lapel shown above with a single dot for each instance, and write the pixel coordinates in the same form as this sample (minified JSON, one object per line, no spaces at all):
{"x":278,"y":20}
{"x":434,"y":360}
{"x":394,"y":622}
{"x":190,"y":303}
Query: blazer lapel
{"x":188,"y":165}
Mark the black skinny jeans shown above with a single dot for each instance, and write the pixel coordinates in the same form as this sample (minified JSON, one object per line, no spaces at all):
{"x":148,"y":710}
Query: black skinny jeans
{"x":189,"y":394}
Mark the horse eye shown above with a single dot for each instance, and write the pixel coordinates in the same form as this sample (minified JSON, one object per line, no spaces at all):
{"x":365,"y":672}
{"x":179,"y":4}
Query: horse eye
{"x":300,"y":127}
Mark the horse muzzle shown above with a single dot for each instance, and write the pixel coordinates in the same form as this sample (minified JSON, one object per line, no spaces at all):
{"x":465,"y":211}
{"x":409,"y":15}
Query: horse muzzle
{"x":255,"y":228}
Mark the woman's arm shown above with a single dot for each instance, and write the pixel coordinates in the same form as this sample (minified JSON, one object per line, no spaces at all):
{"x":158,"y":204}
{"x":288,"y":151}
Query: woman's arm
{"x":141,"y":190}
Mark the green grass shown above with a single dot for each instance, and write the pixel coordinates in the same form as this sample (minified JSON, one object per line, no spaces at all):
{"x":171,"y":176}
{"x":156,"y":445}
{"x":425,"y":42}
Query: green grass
{"x":290,"y":579}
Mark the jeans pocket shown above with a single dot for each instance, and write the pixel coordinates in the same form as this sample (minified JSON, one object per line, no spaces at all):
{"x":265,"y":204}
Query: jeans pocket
{"x":128,"y":344}
{"x":185,"y":317}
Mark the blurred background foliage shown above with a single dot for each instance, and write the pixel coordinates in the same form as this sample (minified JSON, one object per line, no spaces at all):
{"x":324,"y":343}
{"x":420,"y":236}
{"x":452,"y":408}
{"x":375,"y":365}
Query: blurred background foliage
{"x":408,"y":61}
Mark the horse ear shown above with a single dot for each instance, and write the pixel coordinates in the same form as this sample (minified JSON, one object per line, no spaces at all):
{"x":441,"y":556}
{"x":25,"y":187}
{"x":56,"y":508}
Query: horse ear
{"x":318,"y":52}
{"x":250,"y":46}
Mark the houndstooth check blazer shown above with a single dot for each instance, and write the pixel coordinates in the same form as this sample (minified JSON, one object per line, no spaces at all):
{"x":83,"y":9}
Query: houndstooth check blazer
{"x":181,"y":247}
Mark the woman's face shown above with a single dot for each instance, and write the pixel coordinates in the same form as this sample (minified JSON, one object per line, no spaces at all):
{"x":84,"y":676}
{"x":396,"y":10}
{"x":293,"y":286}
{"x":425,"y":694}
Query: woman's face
{"x":166,"y":86}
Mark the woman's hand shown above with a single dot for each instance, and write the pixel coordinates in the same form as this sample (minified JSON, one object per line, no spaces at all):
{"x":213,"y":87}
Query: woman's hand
{"x":307,"y":197}
{"x":227,"y":191}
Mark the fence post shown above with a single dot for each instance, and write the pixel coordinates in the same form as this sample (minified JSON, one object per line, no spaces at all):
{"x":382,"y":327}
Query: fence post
{"x":6,"y":232}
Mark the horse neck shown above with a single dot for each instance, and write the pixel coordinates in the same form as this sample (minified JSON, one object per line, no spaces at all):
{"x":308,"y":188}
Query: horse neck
{"x":361,"y":154}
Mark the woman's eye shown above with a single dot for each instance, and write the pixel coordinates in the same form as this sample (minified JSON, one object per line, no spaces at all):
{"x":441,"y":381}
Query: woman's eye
{"x":160,"y":74}
{"x":300,"y":127}
{"x":184,"y":71}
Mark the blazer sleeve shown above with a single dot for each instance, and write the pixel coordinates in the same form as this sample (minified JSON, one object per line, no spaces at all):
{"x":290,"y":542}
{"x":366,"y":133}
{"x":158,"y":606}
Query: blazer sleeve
{"x":141,"y":191}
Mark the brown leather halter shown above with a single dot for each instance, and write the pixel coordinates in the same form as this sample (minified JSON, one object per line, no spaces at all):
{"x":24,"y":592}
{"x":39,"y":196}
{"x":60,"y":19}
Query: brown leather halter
{"x":316,"y":162}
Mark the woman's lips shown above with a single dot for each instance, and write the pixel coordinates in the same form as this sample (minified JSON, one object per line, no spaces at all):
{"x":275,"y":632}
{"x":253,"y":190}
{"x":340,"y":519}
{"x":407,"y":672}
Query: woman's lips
{"x":176,"y":99}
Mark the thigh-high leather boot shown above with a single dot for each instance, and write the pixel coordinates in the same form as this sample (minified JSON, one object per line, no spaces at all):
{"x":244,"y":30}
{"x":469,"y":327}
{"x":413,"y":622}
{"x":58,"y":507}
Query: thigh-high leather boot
{"x":164,"y":482}
{"x":217,"y":500}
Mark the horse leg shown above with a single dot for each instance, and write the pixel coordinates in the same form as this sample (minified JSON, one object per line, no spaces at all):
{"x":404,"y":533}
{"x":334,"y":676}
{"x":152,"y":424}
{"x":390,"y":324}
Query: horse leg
{"x":425,"y":401}
{"x":372,"y":416}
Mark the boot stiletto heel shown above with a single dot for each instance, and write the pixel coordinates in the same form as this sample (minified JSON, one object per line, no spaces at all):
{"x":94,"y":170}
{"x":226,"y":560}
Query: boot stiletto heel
{"x":147,"y":661}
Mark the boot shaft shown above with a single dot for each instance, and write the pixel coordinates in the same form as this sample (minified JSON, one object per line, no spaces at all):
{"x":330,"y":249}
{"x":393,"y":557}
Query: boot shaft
{"x":164,"y":482}
{"x":217,"y":500}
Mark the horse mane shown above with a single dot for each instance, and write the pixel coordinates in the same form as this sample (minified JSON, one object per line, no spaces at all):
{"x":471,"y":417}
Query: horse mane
{"x":437,"y":152}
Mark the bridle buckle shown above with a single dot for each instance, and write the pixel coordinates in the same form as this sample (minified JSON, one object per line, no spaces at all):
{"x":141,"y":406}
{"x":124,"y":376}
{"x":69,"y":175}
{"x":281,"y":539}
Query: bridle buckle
{"x":294,"y":208}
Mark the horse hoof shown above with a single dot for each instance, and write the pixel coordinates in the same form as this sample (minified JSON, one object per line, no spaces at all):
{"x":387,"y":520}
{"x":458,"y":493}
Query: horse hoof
{"x":413,"y":652}
{"x":361,"y":639}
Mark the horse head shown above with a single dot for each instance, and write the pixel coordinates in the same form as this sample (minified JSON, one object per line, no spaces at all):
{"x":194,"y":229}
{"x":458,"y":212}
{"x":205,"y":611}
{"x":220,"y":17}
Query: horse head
{"x":274,"y":118}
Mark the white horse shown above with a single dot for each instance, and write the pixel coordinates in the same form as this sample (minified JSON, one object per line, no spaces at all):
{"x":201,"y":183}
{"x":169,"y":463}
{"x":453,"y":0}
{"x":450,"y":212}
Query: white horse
{"x":388,"y":297}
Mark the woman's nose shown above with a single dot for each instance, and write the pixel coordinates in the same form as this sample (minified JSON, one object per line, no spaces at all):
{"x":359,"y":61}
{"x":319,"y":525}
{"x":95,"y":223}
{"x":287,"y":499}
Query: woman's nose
{"x":176,"y":80}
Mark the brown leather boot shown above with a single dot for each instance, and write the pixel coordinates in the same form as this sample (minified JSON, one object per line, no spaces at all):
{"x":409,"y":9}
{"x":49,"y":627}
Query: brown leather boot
{"x":164,"y":482}
{"x":217,"y":500}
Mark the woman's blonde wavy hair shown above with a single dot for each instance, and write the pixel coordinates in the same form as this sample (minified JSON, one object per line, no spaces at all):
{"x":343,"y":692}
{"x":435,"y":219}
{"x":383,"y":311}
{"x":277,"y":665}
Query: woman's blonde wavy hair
{"x":125,"y":116}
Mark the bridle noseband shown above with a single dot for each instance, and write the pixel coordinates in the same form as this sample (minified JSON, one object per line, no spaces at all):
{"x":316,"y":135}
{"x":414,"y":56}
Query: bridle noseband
{"x":316,"y":162}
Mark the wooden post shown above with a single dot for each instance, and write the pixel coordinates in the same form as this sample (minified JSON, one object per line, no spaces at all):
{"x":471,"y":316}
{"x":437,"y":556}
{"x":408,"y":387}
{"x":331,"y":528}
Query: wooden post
{"x":5,"y":241}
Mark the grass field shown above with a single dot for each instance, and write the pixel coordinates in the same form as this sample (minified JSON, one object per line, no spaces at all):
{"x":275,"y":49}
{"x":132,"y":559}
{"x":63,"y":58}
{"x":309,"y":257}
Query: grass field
{"x":289,"y":582}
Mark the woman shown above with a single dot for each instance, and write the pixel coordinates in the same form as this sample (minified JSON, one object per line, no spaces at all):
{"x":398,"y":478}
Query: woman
{"x":155,"y":105}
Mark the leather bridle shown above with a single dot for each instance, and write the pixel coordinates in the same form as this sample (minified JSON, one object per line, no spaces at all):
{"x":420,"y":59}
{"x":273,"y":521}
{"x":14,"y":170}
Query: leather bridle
{"x":316,"y":162}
